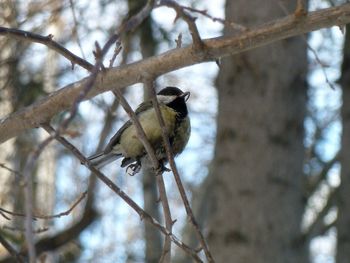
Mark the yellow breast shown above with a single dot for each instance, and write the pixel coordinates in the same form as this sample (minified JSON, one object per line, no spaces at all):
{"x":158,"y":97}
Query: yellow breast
{"x":130,"y":144}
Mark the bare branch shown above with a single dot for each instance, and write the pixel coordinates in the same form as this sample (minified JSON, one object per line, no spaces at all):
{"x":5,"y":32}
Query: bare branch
{"x":75,"y":30}
{"x":139,"y":130}
{"x":117,"y":50}
{"x":162,"y":191}
{"x":43,"y":110}
{"x":300,"y":10}
{"x":178,"y":41}
{"x":190,"y":20}
{"x":47,"y":41}
{"x":298,"y":13}
{"x":28,"y":194}
{"x":166,"y":253}
{"x":322,"y":65}
{"x":100,"y":53}
{"x":216,"y":19}
{"x":11,"y":250}
{"x":315,"y":180}
{"x":65,"y":213}
{"x":2,"y":165}
{"x":317,"y":227}
{"x":143,"y":215}
{"x":170,"y":157}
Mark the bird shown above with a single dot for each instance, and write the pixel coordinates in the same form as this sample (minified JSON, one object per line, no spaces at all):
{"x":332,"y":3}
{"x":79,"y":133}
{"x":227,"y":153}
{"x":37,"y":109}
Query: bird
{"x":125,"y":143}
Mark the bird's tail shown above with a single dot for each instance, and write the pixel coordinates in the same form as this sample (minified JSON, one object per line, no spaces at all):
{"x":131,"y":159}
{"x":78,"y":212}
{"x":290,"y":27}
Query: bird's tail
{"x":101,"y":159}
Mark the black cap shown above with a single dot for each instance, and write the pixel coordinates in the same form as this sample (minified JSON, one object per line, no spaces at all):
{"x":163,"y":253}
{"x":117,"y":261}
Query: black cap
{"x":170,"y":91}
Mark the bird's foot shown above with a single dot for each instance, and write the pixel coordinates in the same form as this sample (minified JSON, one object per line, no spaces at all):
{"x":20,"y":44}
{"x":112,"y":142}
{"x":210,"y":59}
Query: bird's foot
{"x":162,"y":168}
{"x":165,"y":169}
{"x":134,"y":168}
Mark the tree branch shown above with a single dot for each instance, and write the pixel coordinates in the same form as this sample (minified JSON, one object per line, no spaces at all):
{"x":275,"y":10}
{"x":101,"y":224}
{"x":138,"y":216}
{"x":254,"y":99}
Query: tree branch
{"x":166,"y":253}
{"x":43,"y":110}
{"x":34,"y":216}
{"x":15,"y":255}
{"x":170,"y":157}
{"x":155,"y":163}
{"x":47,"y":41}
{"x":143,"y":214}
{"x":190,"y":20}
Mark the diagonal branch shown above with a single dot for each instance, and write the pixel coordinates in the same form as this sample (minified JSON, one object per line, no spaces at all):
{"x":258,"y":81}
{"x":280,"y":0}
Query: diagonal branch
{"x":43,"y":110}
{"x":170,"y":157}
{"x":155,"y":163}
{"x":16,"y":256}
{"x":166,"y":253}
{"x":143,"y":214}
{"x":34,"y":216}
{"x":216,"y":19}
{"x":190,"y":20}
{"x":47,"y":41}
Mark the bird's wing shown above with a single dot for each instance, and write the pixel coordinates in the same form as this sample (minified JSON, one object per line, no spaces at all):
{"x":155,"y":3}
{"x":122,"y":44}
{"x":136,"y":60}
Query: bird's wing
{"x":116,"y":137}
{"x":143,"y":107}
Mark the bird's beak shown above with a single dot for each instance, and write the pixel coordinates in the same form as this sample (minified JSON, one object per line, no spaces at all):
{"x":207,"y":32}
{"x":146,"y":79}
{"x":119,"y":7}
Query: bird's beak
{"x":185,"y":95}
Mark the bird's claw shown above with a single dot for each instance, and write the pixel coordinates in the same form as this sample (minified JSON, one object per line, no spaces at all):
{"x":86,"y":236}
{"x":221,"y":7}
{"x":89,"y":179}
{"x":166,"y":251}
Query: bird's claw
{"x":166,"y":169}
{"x":162,"y":168}
{"x":134,"y":167}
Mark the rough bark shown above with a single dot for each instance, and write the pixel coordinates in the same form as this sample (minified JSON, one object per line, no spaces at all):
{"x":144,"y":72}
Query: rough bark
{"x":256,"y":184}
{"x":45,"y":109}
{"x":343,"y":227}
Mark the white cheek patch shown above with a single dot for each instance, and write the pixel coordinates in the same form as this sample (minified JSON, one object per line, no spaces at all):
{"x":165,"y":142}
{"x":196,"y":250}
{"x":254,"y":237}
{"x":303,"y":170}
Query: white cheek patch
{"x":165,"y":99}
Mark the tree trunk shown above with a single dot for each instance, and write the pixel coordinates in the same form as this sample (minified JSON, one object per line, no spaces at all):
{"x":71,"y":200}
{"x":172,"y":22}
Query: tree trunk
{"x":343,"y":227}
{"x":152,"y":237}
{"x":257,"y":201}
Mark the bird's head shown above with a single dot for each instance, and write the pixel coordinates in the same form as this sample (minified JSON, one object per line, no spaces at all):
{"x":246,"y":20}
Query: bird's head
{"x":169,"y":94}
{"x":174,"y":98}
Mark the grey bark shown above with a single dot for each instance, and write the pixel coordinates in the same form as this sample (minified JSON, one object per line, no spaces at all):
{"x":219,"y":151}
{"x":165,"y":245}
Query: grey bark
{"x":343,"y":220}
{"x":256,"y":180}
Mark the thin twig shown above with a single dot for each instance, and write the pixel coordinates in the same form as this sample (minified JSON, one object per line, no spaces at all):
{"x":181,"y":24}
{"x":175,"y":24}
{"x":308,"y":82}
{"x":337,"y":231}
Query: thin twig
{"x":75,"y":30}
{"x":190,"y":20}
{"x":143,"y":215}
{"x":100,"y":53}
{"x":300,"y":12}
{"x":216,"y":19}
{"x":117,"y":50}
{"x":2,"y":165}
{"x":322,"y":65}
{"x":126,"y":75}
{"x":65,"y":213}
{"x":47,"y":41}
{"x":139,"y":130}
{"x":11,"y":250}
{"x":4,"y":215}
{"x":180,"y":186}
{"x":178,"y":41}
{"x":166,"y":253}
{"x":28,"y":194}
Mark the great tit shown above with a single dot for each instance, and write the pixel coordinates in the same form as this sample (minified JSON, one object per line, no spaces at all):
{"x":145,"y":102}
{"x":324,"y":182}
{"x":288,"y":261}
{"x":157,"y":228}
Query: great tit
{"x":125,"y":143}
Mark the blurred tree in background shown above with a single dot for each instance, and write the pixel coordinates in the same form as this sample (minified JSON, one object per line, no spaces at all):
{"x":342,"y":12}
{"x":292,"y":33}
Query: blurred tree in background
{"x":256,"y":177}
{"x":262,"y":169}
